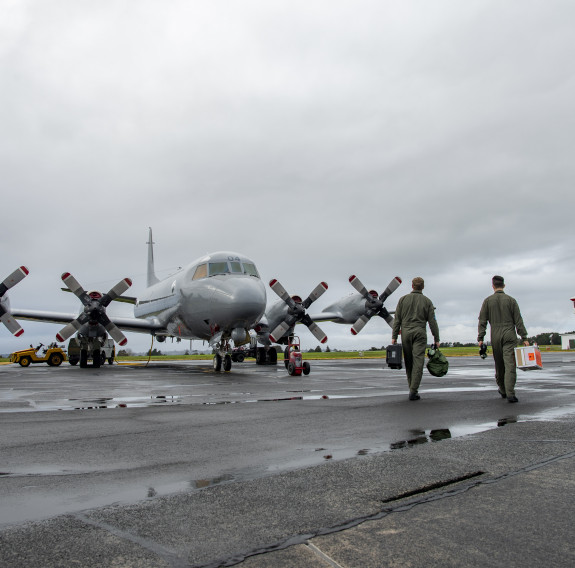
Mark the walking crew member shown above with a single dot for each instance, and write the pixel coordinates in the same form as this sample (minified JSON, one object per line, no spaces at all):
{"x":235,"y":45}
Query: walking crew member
{"x":414,"y":311}
{"x":502,"y":313}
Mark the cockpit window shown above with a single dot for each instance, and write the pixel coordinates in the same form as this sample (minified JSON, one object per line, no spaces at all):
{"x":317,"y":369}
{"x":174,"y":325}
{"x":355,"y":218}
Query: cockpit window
{"x":251,"y":269}
{"x":218,"y":268}
{"x":225,"y":267}
{"x":201,"y":272}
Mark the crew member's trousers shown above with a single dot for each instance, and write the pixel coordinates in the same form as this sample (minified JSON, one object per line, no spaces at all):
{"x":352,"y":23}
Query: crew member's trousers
{"x":414,"y":342}
{"x":504,"y":344}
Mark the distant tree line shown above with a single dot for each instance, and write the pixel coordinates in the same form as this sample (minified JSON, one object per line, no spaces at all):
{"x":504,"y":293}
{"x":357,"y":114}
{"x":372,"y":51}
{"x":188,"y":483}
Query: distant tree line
{"x":549,"y":338}
{"x":318,"y":349}
{"x":552,"y":338}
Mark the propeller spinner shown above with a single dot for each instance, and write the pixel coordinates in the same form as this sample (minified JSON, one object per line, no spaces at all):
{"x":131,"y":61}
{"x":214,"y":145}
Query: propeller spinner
{"x":373,"y":303}
{"x":94,"y":309}
{"x":5,"y":316}
{"x":297,"y":311}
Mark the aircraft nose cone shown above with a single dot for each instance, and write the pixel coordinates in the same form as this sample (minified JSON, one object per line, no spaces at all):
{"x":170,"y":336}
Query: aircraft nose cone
{"x":243,"y":301}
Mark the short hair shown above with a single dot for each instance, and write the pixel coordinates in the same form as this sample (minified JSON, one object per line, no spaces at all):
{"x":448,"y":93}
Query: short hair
{"x":417,"y":283}
{"x":498,"y":281}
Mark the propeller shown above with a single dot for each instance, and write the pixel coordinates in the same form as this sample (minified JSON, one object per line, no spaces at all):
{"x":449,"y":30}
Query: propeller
{"x":297,"y":311}
{"x":94,"y":309}
{"x":373,"y":303}
{"x":5,"y":316}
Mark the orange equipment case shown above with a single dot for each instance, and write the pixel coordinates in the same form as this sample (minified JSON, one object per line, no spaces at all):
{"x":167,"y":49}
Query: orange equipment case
{"x":528,"y":358}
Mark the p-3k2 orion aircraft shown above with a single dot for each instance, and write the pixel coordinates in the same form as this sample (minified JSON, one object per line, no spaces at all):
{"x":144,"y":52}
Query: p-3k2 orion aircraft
{"x":218,"y":298}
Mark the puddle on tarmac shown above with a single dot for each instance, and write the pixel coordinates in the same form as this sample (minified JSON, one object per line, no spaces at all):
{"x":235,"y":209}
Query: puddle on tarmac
{"x":24,"y":404}
{"x":551,"y":413}
{"x":20,"y":508}
{"x":37,"y":506}
{"x":124,"y":402}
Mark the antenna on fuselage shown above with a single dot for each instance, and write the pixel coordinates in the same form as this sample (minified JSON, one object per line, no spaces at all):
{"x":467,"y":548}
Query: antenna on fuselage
{"x":152,"y":278}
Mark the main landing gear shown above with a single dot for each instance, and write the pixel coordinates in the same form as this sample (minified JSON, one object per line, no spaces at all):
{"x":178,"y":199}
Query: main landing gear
{"x":224,"y":356}
{"x":266,"y":356}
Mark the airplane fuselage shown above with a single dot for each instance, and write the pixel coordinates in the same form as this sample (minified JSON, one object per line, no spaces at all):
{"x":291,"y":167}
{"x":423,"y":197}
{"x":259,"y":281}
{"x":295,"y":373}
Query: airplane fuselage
{"x":217,"y":296}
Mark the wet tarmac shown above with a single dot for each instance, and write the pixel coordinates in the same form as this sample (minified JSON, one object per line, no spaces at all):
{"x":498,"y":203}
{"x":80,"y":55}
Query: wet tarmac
{"x":78,"y":441}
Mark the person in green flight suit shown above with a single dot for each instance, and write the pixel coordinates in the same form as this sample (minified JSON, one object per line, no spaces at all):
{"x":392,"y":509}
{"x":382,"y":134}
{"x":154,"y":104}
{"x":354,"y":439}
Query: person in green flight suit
{"x":412,"y":314}
{"x":503,"y":314}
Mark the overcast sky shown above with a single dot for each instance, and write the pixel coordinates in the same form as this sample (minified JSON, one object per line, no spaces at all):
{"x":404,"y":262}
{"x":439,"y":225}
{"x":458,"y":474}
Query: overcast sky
{"x":321,"y":139}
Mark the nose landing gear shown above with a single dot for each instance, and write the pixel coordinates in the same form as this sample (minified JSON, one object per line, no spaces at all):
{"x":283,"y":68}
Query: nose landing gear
{"x":222,"y":357}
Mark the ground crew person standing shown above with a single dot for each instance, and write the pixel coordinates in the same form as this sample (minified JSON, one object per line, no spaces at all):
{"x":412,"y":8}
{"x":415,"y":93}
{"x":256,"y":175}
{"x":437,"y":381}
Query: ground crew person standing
{"x":412,"y":314}
{"x":502,"y":313}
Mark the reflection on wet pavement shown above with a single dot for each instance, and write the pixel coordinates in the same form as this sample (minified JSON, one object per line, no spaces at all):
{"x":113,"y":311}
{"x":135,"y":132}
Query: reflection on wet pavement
{"x":203,"y":483}
{"x":197,"y":387}
{"x":422,"y":438}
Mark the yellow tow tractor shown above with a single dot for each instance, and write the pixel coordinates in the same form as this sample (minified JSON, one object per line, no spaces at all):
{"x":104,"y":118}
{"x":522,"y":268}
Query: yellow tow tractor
{"x":53,"y":355}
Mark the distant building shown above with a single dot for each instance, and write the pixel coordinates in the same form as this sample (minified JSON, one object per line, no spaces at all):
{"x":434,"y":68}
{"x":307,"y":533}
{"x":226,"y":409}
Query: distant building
{"x":568,"y":341}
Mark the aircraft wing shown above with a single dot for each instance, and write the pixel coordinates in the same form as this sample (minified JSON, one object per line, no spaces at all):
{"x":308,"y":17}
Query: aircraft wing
{"x":328,"y":316}
{"x":122,"y":298}
{"x":126,"y":324}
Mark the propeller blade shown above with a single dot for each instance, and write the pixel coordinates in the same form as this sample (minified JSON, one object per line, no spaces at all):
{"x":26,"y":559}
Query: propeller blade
{"x":279,"y":331}
{"x":115,"y":292}
{"x":316,"y":330}
{"x":315,"y":294}
{"x":13,"y":326}
{"x":281,"y":292}
{"x":386,"y":316}
{"x":68,"y":330}
{"x":10,"y":281}
{"x":391,"y":288}
{"x":115,"y":333}
{"x":5,"y":317}
{"x":357,"y":284}
{"x":75,"y":287}
{"x":359,"y":324}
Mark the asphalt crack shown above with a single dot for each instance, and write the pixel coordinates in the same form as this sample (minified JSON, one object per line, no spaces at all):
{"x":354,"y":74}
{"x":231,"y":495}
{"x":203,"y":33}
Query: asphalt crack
{"x":427,"y":494}
{"x":402,"y":506}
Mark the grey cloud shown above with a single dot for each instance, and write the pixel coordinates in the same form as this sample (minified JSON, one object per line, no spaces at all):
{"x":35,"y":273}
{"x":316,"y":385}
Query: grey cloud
{"x":379,"y":139}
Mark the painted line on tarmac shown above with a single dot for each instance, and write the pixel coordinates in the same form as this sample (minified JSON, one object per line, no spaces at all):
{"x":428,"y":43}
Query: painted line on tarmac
{"x":167,"y":555}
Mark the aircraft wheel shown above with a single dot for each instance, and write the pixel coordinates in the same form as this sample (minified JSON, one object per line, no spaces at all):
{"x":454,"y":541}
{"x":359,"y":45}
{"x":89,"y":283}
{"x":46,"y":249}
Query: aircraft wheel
{"x":96,"y":358}
{"x":306,"y":368}
{"x":261,"y":356}
{"x":227,"y":363}
{"x":73,"y":361}
{"x":55,"y":359}
{"x":272,"y":356}
{"x":291,"y":368}
{"x":83,"y":358}
{"x":25,"y":361}
{"x":217,"y":362}
{"x":286,"y":357}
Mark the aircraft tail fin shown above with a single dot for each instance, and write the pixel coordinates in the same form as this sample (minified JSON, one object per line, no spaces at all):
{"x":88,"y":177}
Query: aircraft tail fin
{"x":152,"y":278}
